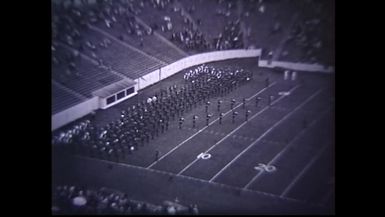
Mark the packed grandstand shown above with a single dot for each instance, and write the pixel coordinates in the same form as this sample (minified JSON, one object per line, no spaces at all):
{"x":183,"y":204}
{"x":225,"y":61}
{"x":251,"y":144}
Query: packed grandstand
{"x":99,"y":43}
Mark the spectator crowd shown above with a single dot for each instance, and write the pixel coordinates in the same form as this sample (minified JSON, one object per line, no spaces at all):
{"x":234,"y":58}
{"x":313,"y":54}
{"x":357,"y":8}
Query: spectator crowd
{"x":75,"y":200}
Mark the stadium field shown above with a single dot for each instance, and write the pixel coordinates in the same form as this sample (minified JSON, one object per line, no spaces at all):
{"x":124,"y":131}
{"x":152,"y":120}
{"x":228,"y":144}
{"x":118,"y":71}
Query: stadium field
{"x":279,"y":161}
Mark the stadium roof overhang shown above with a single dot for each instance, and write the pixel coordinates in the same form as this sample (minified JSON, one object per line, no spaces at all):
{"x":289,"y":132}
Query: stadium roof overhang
{"x":114,"y":88}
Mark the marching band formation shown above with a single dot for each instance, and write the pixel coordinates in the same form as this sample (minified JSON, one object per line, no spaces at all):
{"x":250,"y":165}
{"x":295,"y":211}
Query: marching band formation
{"x":140,"y":123}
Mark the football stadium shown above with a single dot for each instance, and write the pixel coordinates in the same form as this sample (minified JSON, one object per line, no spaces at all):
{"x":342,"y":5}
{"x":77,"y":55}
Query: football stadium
{"x":193,"y":107}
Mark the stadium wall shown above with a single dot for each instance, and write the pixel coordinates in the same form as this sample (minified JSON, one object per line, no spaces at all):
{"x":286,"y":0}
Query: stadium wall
{"x":193,"y":60}
{"x":66,"y":116}
{"x":296,"y":66}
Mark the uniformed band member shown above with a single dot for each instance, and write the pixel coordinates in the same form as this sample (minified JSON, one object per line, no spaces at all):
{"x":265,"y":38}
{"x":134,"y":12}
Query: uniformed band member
{"x":181,"y":110}
{"x":156,"y":155}
{"x":207,"y":119}
{"x":220,"y":117}
{"x":267,"y":82}
{"x":219,"y":105}
{"x":247,"y":114}
{"x":161,"y":125}
{"x":149,"y":100}
{"x":181,"y":122}
{"x":232,"y":103}
{"x":234,"y":114}
{"x":257,"y":100}
{"x":194,"y":120}
{"x":207,"y":106}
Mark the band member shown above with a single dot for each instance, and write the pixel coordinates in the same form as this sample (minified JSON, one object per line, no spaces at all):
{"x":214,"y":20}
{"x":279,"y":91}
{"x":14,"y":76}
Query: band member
{"x":247,"y":114}
{"x":195,"y":117}
{"x":234,"y":114}
{"x":181,"y":119}
{"x":257,"y":100}
{"x":232,"y":104}
{"x":220,"y":117}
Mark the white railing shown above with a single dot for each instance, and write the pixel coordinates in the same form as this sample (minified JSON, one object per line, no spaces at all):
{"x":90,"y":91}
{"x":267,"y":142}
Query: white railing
{"x":193,"y":60}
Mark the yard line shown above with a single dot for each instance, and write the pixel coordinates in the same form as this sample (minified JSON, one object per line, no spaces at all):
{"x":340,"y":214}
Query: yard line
{"x":275,"y":159}
{"x":244,"y":123}
{"x":202,"y":181}
{"x":264,"y":134}
{"x":272,"y":84}
{"x":192,"y":136}
{"x":290,"y":186}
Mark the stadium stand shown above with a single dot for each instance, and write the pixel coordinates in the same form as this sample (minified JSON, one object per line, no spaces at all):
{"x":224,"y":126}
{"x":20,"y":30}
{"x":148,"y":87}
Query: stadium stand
{"x":265,"y":21}
{"x":77,"y":200}
{"x":215,"y":19}
{"x":87,"y":77}
{"x":310,"y":37}
{"x":171,"y":21}
{"x":130,"y":63}
{"x":98,"y":43}
{"x":127,"y":29}
{"x":62,"y":98}
{"x":150,"y":44}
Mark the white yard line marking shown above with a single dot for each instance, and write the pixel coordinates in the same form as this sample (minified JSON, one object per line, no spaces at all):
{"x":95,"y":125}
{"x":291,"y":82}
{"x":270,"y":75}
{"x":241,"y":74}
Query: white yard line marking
{"x":272,"y":142}
{"x":276,"y":157}
{"x":202,"y":181}
{"x":290,"y":186}
{"x":280,"y":108}
{"x":272,"y":84}
{"x":236,"y":129}
{"x":192,"y":136}
{"x":264,"y":134}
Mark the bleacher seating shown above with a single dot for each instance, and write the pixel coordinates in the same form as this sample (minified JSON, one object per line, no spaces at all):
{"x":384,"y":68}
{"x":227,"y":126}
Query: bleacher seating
{"x":131,"y":63}
{"x":149,"y":44}
{"x":62,"y":99}
{"x":158,"y":17}
{"x":89,"y":77}
{"x":266,"y":24}
{"x":213,"y":16}
{"x":260,"y":19}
